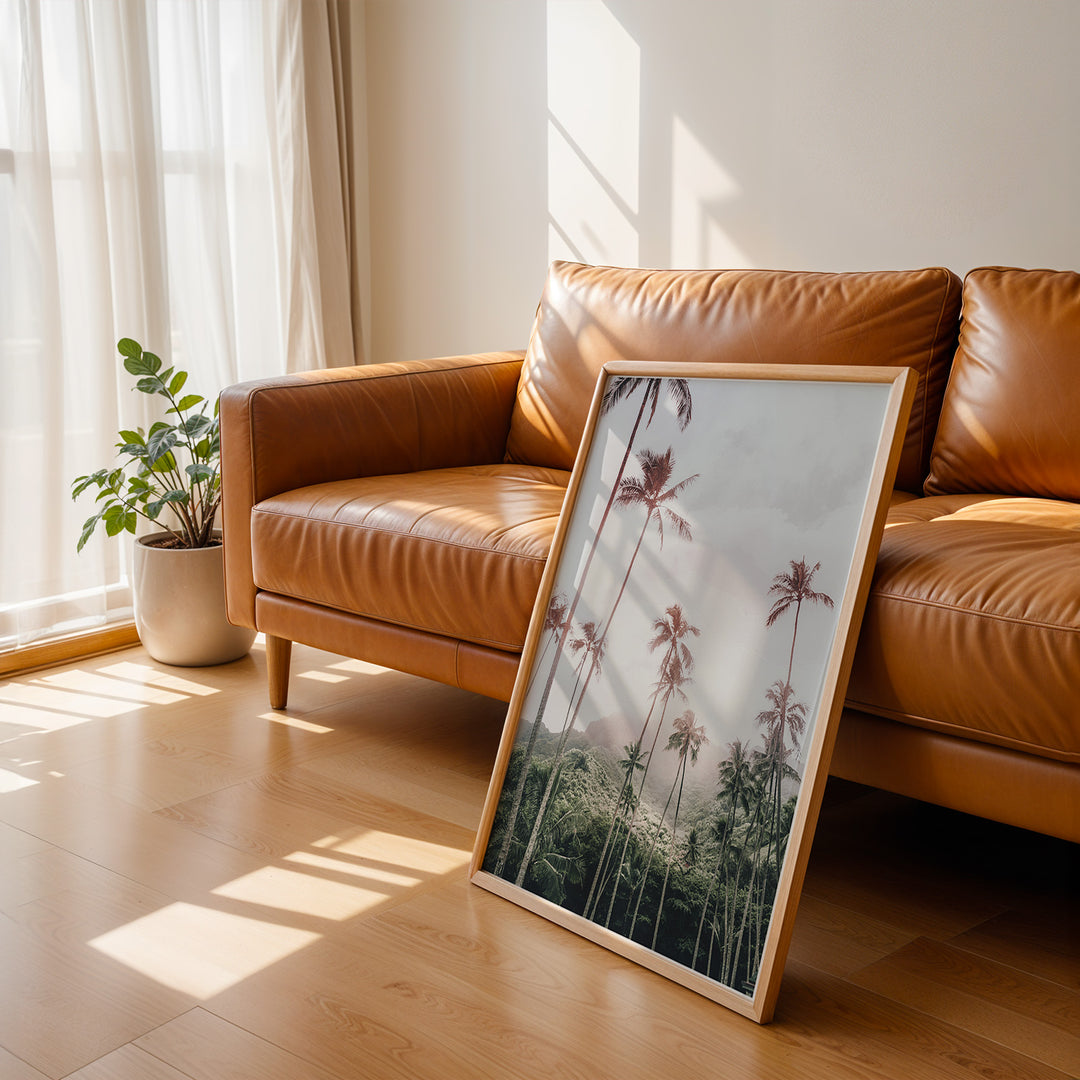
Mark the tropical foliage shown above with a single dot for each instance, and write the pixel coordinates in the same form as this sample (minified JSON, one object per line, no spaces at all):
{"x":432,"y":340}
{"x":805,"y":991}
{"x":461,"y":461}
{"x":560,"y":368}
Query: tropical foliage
{"x":173,"y":466}
{"x":687,"y":866}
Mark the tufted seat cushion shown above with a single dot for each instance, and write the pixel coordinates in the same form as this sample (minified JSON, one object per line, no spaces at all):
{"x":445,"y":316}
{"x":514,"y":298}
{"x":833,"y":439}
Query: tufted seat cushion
{"x":457,"y":552}
{"x":973,"y":622}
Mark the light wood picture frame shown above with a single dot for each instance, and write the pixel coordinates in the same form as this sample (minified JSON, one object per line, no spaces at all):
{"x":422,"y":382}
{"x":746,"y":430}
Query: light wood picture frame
{"x":667,"y":742}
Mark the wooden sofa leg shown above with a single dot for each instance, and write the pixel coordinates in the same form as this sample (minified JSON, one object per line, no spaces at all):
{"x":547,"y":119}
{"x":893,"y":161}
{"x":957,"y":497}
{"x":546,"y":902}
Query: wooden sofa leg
{"x":278,"y":654}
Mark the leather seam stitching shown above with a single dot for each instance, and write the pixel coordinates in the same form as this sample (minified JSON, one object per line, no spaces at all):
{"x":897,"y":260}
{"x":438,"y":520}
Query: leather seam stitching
{"x":403,"y":535}
{"x":958,"y":731}
{"x":502,"y":646}
{"x":994,"y":616}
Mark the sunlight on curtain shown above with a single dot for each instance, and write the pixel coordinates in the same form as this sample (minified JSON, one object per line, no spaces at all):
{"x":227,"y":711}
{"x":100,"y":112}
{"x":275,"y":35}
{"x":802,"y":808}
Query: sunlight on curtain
{"x":152,"y":185}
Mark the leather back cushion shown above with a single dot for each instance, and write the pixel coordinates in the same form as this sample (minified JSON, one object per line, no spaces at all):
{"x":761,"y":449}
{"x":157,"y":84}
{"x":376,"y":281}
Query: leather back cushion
{"x":589,"y":315}
{"x":1010,"y":422}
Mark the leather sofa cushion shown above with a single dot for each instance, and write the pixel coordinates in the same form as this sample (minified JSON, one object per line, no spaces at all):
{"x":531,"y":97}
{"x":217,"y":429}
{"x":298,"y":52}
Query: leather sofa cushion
{"x":590,"y":315}
{"x":457,"y":552}
{"x":971,"y":626}
{"x":1008,"y":422}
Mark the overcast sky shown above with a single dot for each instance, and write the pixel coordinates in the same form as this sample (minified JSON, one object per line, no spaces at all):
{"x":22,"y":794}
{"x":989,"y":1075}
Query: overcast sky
{"x":783,"y":474}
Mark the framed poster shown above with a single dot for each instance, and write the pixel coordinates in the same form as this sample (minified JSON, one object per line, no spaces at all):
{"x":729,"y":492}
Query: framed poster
{"x":667,"y":743}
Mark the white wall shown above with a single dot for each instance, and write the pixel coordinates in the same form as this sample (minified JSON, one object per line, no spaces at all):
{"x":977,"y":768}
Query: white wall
{"x":818,"y":134}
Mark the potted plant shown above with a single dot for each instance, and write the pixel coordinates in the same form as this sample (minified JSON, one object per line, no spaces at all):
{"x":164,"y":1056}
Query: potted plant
{"x":169,"y":476}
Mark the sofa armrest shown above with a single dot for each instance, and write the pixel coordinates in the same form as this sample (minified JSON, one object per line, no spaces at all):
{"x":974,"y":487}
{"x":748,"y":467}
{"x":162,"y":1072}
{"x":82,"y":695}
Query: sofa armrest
{"x":318,"y":426}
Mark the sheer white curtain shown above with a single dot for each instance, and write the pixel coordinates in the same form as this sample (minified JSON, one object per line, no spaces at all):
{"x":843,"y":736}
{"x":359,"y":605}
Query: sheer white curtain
{"x":170,"y":170}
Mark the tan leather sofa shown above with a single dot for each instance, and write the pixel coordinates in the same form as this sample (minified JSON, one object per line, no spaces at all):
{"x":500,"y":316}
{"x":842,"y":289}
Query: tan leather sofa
{"x":402,"y":513}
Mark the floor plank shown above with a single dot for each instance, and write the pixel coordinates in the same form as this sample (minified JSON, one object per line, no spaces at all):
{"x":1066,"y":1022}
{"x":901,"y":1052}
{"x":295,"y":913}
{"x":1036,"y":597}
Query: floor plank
{"x":205,"y":1047}
{"x":11,"y":1068}
{"x":128,"y":1063}
{"x":1038,"y":1018}
{"x":1043,"y":942}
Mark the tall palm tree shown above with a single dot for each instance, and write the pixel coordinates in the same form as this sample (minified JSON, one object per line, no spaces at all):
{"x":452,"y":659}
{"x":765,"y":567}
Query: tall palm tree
{"x":556,"y":622}
{"x":618,"y":388}
{"x":782,"y":718}
{"x":793,"y":588}
{"x":681,"y":724}
{"x":668,"y":686}
{"x":670,"y":630}
{"x":591,"y":643}
{"x":688,"y":739}
{"x":758,"y":797}
{"x":631,"y":764}
{"x":733,"y":778}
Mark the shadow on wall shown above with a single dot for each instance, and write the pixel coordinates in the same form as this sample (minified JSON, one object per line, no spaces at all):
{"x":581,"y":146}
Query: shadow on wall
{"x":629,"y":181}
{"x":832,"y":136}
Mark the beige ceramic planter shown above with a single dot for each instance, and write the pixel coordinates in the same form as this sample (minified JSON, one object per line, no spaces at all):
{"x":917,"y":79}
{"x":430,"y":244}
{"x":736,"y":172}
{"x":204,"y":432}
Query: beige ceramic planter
{"x":180,"y":605}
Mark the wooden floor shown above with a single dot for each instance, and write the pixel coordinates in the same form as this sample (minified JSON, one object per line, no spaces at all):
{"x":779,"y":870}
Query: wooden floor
{"x":192,"y":886}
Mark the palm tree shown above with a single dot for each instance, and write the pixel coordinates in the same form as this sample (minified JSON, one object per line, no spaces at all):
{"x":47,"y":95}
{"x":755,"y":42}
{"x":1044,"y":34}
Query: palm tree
{"x":782,"y":717}
{"x":556,"y":622}
{"x":669,"y":685}
{"x":758,"y":798}
{"x":688,"y":739}
{"x":631,"y":764}
{"x":793,"y":588}
{"x":591,"y":643}
{"x":651,"y":491}
{"x":669,"y":630}
{"x":681,"y":739}
{"x":734,"y":782}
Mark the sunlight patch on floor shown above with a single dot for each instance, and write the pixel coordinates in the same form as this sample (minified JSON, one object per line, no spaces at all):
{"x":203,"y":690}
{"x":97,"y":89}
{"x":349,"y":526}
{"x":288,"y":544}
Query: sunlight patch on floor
{"x":312,"y":894}
{"x":295,"y":722}
{"x":396,"y":850}
{"x":143,"y":673}
{"x":321,"y":862}
{"x":76,"y":706}
{"x":322,"y":676}
{"x":85,"y":682}
{"x":199,"y":951}
{"x":11,"y":781}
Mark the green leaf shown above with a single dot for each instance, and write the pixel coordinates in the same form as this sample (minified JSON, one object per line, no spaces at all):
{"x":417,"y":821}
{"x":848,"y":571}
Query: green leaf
{"x":154,"y":508}
{"x":160,"y":443}
{"x":150,"y":385}
{"x":177,"y":385}
{"x":136,"y":362}
{"x":84,"y":482}
{"x":189,"y":401}
{"x":153,"y":362}
{"x":194,"y":426}
{"x":130,"y":521}
{"x":115,"y":517}
{"x":132,"y":437}
{"x":199,"y":472}
{"x":164,"y":464}
{"x":137,"y":483}
{"x":89,"y":525}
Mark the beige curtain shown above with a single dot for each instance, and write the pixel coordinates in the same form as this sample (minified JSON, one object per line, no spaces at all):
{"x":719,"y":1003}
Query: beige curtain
{"x":315,"y":83}
{"x":179,"y":172}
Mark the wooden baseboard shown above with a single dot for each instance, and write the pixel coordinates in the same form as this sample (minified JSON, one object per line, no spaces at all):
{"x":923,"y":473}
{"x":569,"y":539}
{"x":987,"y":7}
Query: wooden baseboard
{"x":60,"y":650}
